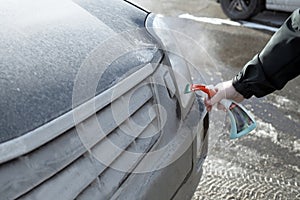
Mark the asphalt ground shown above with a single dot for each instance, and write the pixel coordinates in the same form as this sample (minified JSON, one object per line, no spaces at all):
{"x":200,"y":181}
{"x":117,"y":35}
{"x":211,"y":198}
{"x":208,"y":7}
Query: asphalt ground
{"x":264,"y":164}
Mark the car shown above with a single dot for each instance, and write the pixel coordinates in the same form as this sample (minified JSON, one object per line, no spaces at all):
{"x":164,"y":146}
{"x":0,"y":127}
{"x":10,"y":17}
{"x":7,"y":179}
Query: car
{"x":244,"y":9}
{"x":93,"y":105}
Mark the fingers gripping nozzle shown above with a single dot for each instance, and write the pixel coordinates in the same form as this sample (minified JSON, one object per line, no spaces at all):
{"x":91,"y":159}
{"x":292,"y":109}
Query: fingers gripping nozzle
{"x":242,"y":121}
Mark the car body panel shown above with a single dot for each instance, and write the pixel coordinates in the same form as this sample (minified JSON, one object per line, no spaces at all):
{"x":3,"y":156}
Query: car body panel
{"x":53,"y":147}
{"x":234,"y":11}
{"x":157,"y":25}
{"x":72,"y":162}
{"x":132,"y":129}
{"x":50,"y":52}
{"x":283,"y":5}
{"x":160,"y":184}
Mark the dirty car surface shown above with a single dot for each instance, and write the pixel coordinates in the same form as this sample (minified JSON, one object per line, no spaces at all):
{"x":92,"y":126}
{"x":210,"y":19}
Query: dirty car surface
{"x":93,"y":106}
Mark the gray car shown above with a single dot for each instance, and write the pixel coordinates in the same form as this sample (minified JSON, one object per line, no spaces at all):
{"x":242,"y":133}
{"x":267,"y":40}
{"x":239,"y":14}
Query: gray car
{"x":243,"y":9}
{"x":93,"y":105}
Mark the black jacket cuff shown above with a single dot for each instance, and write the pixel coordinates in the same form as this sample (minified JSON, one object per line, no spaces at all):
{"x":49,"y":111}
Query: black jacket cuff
{"x":252,"y":80}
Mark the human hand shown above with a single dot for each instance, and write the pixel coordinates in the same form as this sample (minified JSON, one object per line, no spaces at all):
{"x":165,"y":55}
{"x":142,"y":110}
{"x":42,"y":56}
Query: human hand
{"x":224,"y":90}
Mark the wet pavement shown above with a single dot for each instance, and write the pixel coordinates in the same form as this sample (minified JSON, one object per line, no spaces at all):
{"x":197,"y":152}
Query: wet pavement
{"x":264,"y":164}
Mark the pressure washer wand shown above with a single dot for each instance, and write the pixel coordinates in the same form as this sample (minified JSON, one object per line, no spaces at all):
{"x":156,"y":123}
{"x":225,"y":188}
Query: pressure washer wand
{"x":242,"y":121}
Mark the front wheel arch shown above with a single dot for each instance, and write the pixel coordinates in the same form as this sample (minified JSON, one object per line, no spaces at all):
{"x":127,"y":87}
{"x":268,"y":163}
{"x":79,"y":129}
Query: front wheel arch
{"x":242,"y":9}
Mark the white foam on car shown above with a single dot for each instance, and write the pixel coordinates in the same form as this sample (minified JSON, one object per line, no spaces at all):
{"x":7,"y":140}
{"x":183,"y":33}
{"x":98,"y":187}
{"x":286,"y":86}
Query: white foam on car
{"x":218,"y":21}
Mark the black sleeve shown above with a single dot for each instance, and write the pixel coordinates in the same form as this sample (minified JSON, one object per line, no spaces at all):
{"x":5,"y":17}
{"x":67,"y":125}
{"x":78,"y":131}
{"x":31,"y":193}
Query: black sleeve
{"x":277,"y":63}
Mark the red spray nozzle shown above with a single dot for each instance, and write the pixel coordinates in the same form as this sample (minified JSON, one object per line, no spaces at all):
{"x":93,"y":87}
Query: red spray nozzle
{"x":203,"y":88}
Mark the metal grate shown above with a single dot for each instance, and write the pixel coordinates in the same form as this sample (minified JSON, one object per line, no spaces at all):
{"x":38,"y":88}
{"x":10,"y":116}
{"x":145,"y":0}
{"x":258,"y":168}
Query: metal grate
{"x":74,"y":165}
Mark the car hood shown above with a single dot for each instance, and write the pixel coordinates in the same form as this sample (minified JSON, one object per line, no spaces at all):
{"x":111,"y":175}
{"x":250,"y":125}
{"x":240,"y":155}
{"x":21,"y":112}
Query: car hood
{"x":46,"y":44}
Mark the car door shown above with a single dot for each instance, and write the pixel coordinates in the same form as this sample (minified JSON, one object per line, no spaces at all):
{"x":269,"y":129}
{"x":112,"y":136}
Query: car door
{"x":283,"y":5}
{"x":293,"y":4}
